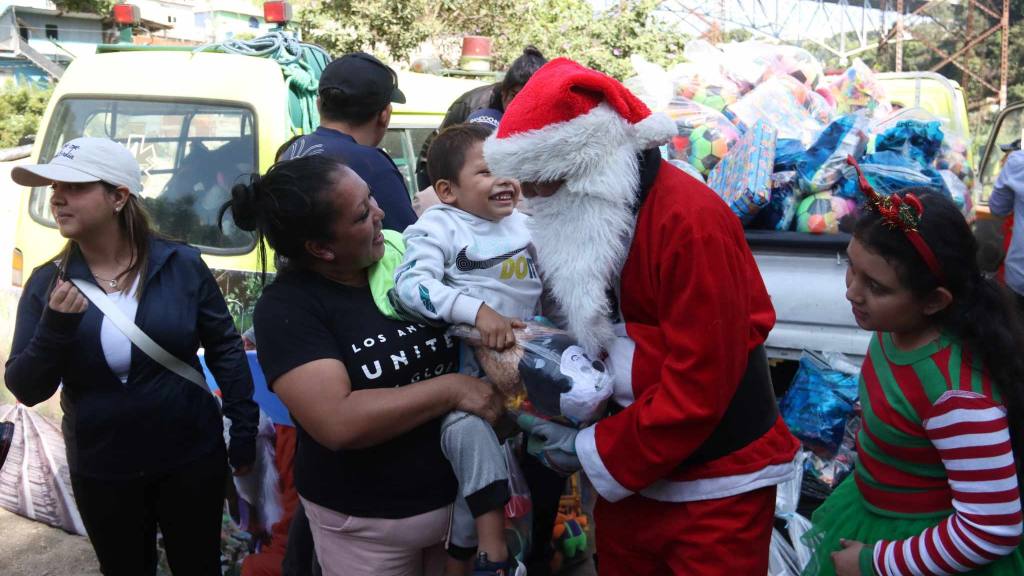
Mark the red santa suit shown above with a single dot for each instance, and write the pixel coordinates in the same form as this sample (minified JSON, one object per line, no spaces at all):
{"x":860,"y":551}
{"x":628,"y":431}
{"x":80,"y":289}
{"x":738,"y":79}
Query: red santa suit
{"x":687,"y":469}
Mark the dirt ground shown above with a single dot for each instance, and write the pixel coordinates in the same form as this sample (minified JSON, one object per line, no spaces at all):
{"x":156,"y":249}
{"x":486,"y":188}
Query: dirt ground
{"x":33,"y":549}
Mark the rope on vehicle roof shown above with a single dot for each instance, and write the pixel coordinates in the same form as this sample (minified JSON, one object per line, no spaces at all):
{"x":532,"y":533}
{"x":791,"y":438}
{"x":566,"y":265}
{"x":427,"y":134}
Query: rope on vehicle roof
{"x":301,"y":64}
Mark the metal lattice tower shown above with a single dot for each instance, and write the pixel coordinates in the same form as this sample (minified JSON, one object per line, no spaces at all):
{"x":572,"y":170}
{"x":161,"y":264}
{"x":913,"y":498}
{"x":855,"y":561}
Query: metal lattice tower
{"x":845,"y":29}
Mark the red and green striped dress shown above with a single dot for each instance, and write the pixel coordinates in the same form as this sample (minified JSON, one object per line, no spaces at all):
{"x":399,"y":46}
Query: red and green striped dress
{"x":935,"y":489}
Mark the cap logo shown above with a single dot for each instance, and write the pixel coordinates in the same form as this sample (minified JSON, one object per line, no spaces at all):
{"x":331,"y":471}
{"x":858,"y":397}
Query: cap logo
{"x":67,"y":151}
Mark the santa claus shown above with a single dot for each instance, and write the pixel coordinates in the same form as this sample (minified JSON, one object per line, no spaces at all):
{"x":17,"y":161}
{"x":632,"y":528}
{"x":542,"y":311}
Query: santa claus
{"x":687,"y":463}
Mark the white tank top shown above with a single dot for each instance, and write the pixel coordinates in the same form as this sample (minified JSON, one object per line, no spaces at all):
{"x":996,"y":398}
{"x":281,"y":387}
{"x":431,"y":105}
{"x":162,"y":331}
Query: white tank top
{"x":117,"y":348}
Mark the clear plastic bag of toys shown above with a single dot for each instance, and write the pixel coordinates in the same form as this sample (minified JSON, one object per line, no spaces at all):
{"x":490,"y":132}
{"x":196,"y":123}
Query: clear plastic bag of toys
{"x":703,"y":136}
{"x":651,"y":83}
{"x":858,"y":89}
{"x":752,"y":63}
{"x":823,"y":474}
{"x":546,"y":374}
{"x":783,"y":102}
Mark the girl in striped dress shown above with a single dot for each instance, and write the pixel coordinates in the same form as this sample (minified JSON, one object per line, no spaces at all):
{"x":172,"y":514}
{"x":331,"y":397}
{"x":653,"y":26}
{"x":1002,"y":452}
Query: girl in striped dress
{"x":935,"y":489}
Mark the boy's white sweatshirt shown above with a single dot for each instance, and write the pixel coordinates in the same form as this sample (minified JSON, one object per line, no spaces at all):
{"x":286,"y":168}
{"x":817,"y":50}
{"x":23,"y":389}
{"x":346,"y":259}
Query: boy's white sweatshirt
{"x":455,"y":262}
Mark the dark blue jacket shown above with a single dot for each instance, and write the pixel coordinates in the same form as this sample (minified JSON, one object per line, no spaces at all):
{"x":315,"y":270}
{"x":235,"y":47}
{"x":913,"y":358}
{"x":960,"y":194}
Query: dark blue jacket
{"x":157,"y":421}
{"x":373,"y":165}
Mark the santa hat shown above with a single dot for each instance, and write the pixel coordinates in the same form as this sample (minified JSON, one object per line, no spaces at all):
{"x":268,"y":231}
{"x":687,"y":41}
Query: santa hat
{"x":572,"y":123}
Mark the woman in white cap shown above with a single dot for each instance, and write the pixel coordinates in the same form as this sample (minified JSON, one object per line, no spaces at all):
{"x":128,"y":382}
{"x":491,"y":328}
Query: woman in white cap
{"x":145,"y":446}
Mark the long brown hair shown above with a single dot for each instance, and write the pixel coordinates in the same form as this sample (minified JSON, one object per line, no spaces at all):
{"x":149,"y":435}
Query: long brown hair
{"x":134,"y":220}
{"x":983,"y":315}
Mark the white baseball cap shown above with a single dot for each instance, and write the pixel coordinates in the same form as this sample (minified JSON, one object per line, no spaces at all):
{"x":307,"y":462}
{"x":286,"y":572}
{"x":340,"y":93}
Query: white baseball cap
{"x":85,"y":160}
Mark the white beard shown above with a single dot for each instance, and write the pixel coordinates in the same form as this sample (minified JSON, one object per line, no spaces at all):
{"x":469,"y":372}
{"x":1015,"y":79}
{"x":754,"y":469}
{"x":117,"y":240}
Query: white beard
{"x":582,"y":241}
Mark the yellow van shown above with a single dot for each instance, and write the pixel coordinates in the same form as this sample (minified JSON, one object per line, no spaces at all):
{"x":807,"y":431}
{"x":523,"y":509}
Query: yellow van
{"x":941,"y":97}
{"x":196,"y":122}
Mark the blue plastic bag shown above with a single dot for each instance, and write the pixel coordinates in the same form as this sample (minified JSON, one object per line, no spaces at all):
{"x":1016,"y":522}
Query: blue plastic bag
{"x":820,"y":168}
{"x":787,"y":152}
{"x":889,"y":172}
{"x":915,"y":140}
{"x":778,"y":214}
{"x":818,"y":404}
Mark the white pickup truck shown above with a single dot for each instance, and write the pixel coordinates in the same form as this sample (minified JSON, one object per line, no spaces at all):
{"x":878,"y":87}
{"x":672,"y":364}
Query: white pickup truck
{"x":805,"y":274}
{"x":805,"y":277}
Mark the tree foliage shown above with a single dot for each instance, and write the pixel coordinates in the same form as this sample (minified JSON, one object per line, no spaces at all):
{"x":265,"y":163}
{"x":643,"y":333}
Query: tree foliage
{"x":394,"y":29}
{"x":90,"y":6}
{"x":21,"y":107}
{"x":944,"y":29}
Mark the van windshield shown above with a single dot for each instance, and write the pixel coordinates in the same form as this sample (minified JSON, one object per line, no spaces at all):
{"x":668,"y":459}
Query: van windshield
{"x":190,"y":153}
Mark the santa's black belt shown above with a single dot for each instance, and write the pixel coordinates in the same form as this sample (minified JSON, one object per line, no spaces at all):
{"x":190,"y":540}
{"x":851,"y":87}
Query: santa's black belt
{"x":751,"y":413}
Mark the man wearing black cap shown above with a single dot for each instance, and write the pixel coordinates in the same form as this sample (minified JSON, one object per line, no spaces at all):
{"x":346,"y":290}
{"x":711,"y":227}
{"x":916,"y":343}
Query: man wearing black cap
{"x":356,"y":92}
{"x":1008,"y":199}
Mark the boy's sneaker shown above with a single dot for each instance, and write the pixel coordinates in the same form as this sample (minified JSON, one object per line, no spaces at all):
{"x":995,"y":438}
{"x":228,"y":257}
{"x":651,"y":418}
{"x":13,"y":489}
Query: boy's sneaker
{"x":484,"y":567}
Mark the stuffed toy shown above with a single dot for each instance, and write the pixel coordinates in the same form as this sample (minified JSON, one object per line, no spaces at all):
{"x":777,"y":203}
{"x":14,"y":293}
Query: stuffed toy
{"x":570,"y":534}
{"x":546,"y":373}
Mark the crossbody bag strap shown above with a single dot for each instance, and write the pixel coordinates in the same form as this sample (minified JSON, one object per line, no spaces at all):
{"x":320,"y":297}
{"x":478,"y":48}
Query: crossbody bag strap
{"x":137,"y":336}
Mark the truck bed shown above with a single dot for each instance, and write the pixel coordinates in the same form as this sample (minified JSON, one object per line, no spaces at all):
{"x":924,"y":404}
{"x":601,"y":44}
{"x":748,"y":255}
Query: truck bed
{"x":806,"y":278}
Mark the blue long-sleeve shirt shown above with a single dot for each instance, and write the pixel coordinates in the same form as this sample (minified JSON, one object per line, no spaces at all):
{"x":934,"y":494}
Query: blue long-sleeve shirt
{"x":1008,"y":198}
{"x":373,"y":165}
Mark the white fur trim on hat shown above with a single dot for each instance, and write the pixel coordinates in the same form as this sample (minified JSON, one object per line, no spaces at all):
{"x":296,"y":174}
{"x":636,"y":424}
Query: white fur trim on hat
{"x":655,"y":130}
{"x":586,"y":150}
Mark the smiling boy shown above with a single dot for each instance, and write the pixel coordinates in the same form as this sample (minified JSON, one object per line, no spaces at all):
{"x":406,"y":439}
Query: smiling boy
{"x":469,"y":261}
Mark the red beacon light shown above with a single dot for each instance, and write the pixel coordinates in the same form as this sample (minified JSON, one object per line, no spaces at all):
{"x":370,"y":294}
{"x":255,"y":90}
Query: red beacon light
{"x":126,"y":14}
{"x":277,"y":12}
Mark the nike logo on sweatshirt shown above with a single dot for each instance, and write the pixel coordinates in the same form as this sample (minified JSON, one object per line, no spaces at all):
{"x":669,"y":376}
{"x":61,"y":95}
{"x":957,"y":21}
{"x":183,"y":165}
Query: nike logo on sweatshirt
{"x":466,"y":264}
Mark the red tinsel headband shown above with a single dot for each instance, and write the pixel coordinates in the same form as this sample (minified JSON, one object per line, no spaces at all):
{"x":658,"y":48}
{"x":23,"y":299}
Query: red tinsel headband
{"x":903,"y":213}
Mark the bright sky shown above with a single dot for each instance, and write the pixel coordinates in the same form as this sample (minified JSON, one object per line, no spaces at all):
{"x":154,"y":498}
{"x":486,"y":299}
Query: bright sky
{"x":820,"y":22}
{"x":788,"y":19}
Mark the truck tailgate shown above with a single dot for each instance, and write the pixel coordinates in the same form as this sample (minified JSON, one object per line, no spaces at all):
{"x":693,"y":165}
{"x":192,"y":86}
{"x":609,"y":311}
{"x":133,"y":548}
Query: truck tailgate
{"x":807,"y":285}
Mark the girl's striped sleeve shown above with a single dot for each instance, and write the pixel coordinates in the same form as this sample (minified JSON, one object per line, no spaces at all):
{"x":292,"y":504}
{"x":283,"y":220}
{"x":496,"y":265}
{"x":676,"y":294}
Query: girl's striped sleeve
{"x":971,"y":433}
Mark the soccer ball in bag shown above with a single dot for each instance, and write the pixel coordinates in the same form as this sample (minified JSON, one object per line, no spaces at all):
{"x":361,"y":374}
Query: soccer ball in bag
{"x":820,"y":213}
{"x":707,"y":147}
{"x":714,"y":97}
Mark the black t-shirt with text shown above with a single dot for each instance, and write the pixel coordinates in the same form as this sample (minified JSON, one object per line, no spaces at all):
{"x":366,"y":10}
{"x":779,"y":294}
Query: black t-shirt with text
{"x":303,"y":317}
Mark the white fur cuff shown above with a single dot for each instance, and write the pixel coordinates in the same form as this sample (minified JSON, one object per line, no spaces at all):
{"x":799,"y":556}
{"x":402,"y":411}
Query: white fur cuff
{"x":605,"y":484}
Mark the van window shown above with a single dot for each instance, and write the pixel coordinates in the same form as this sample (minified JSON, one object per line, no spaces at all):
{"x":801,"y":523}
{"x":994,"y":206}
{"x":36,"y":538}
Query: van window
{"x":191,"y":154}
{"x":402,"y":144}
{"x":394,"y":144}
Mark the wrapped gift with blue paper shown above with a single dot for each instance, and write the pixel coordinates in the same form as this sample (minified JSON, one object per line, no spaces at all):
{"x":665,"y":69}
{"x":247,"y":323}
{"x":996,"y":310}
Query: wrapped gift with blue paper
{"x":743,"y":177}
